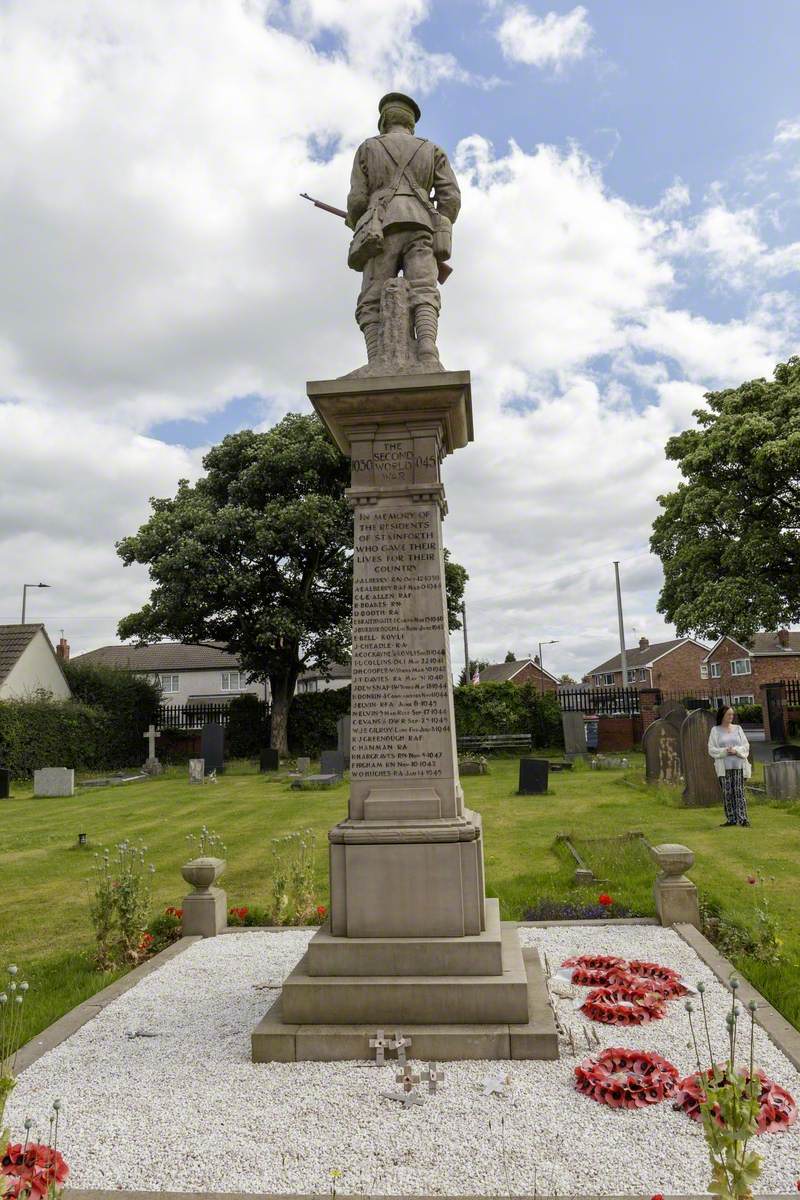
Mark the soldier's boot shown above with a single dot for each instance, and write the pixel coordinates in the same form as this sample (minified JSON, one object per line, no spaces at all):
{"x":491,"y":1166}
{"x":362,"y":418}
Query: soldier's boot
{"x":426,"y":327}
{"x":372,"y":336}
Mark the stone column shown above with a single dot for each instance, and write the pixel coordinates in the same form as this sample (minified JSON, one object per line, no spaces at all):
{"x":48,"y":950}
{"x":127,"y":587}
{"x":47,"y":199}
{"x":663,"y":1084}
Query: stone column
{"x":408,"y":860}
{"x":675,"y":895}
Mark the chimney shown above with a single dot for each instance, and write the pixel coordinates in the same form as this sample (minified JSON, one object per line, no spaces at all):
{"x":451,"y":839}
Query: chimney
{"x":643,"y":643}
{"x":62,"y":649}
{"x":783,"y":637}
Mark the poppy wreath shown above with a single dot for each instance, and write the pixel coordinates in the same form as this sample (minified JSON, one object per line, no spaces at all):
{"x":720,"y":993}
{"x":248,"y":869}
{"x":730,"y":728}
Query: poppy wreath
{"x":624,"y":1005}
{"x":595,"y":970}
{"x":626,"y":1078}
{"x":34,"y":1171}
{"x":659,"y":979}
{"x":778,"y":1109}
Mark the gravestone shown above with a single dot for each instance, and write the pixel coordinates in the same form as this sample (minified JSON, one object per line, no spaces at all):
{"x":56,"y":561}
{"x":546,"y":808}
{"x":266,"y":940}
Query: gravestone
{"x":197,"y":770}
{"x":152,"y":766}
{"x":533,"y":773}
{"x":784,"y":753}
{"x":54,"y":781}
{"x":331,"y":762}
{"x":574,"y":727}
{"x":662,"y":752}
{"x":782,"y":779}
{"x":343,"y":737}
{"x":269,"y":759}
{"x":5,"y":783}
{"x":212,"y":747}
{"x":675,"y":715}
{"x":304,"y":764}
{"x":592,"y":727}
{"x":702,"y":785}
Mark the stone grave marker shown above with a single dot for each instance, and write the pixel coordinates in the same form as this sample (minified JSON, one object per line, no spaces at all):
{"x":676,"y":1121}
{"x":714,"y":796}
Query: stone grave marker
{"x":152,"y":766}
{"x":54,"y":781}
{"x":782,"y":779}
{"x":675,"y":714}
{"x":269,"y":759}
{"x":533,"y":773}
{"x":304,"y":764}
{"x":5,"y":783}
{"x":212,"y":747}
{"x":331,"y":762}
{"x":310,"y":783}
{"x":701,"y":783}
{"x":662,"y":752}
{"x":343,"y":737}
{"x":197,"y":770}
{"x":574,"y":727}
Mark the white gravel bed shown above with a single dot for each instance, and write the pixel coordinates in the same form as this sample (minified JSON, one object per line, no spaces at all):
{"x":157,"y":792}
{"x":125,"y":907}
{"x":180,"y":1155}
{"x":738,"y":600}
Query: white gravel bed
{"x":188,"y":1111}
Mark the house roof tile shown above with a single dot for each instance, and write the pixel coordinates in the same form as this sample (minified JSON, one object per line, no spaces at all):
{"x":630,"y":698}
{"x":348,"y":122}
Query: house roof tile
{"x":162,"y":656}
{"x":639,"y":656}
{"x":14,"y":639}
{"x":505,"y":671}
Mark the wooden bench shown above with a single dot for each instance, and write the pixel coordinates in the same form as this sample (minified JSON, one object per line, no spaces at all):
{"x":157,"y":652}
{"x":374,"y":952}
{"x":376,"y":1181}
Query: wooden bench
{"x":494,"y":741}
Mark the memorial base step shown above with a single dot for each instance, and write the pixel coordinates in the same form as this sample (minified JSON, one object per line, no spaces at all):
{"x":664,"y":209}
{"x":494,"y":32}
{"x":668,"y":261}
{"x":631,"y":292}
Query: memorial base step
{"x":479,"y":954}
{"x":274,"y":1040}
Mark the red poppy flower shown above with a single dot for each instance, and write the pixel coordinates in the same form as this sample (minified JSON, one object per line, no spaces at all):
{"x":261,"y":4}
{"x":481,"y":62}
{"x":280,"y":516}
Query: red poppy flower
{"x":752,"y":879}
{"x":604,"y":899}
{"x":322,"y":911}
{"x":178,"y":912}
{"x":657,"y":1196}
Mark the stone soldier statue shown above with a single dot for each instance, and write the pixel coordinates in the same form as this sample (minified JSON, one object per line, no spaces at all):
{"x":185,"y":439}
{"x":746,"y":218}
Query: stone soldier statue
{"x":402,"y":202}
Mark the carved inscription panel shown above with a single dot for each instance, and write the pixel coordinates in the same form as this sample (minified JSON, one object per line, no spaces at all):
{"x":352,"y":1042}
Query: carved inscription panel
{"x":401,"y":699}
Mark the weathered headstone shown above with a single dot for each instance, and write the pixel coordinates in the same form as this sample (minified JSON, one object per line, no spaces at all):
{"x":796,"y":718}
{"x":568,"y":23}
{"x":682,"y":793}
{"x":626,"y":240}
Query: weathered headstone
{"x":152,"y":766}
{"x":675,"y":715}
{"x":331,"y":762}
{"x":662,"y":752}
{"x":212,"y":747}
{"x":54,"y":781}
{"x":784,"y":753}
{"x":269,"y":759}
{"x":310,"y":783}
{"x":533,"y":774}
{"x":197,"y":770}
{"x":782,"y":779}
{"x":5,"y":783}
{"x":304,"y":764}
{"x":702,"y":785}
{"x":343,"y":737}
{"x":574,"y":727}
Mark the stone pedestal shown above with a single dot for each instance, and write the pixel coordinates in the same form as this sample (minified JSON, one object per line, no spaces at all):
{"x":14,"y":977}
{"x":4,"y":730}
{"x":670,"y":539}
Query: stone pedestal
{"x":675,"y":895}
{"x":205,"y":909}
{"x":411,"y":940}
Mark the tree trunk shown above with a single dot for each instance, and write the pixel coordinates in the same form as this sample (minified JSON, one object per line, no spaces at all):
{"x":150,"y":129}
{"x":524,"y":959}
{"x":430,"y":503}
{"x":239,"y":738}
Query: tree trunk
{"x":279,"y":724}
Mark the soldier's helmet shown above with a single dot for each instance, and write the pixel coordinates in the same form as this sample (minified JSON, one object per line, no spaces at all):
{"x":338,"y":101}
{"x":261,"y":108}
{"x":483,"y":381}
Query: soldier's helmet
{"x":397,"y":100}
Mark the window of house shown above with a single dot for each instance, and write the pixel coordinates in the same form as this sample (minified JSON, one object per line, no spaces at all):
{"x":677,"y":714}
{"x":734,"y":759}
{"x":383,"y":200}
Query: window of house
{"x":704,"y":670}
{"x":740,"y":666}
{"x":169,"y":683}
{"x":715,"y":670}
{"x":742,"y":699}
{"x":607,"y":680}
{"x":643,"y":673}
{"x":230,"y":681}
{"x":632,"y":675}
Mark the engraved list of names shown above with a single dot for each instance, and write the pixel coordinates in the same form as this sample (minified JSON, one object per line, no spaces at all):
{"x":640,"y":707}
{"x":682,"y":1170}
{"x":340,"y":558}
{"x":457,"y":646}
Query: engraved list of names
{"x":401,"y":669}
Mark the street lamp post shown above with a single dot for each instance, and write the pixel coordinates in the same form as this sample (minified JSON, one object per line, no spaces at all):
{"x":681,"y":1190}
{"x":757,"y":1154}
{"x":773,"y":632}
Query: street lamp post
{"x":25,"y":587}
{"x":552,"y":642}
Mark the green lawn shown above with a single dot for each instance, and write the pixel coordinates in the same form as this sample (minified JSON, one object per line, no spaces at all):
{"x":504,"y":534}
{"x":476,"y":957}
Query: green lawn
{"x":44,"y":924}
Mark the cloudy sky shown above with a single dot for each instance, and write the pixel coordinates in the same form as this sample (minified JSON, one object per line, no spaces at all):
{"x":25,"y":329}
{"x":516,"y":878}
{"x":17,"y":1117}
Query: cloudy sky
{"x":629,"y":239}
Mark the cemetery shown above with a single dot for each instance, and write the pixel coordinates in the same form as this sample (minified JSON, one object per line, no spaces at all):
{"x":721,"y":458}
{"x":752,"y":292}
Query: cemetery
{"x":492,"y":943}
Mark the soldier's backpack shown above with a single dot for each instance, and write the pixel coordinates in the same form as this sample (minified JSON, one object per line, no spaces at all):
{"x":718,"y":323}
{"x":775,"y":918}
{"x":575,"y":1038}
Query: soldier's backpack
{"x":367,"y":240}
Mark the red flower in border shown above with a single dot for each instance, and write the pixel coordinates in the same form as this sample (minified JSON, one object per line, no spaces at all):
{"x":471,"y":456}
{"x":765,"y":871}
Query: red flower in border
{"x":35,"y":1170}
{"x":322,"y":911}
{"x":604,"y":899}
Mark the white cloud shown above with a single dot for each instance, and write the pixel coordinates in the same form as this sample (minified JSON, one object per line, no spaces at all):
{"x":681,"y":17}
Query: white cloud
{"x":549,"y":41}
{"x":158,"y":261}
{"x":788,"y":130}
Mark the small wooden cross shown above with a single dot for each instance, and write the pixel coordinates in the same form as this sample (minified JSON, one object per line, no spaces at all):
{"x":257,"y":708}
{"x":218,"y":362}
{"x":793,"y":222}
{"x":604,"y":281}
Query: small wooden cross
{"x":400,"y":1044}
{"x":432,"y":1076}
{"x":151,"y":736}
{"x":407,"y":1077}
{"x":380,"y":1044}
{"x":405,"y":1098}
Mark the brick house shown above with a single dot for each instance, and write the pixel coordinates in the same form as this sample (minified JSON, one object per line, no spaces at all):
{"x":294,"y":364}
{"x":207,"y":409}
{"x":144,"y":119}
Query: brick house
{"x":673,"y":666}
{"x":734,"y":673}
{"x":186,"y":674}
{"x":526,"y":670}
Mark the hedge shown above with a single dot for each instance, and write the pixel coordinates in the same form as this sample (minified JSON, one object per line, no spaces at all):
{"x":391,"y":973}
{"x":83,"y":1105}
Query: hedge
{"x":313,"y":717}
{"x":248,"y":727}
{"x":507,"y":708}
{"x":101,"y":729}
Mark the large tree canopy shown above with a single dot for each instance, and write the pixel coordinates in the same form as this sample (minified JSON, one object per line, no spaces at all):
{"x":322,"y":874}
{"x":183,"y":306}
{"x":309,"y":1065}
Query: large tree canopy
{"x":729,"y":536}
{"x":257,"y":555}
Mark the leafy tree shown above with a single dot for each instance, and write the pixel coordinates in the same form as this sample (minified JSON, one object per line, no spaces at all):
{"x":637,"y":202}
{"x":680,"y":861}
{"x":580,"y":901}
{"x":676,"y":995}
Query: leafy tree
{"x":510,"y":656}
{"x":257,"y":556}
{"x":474,"y":665}
{"x":568,"y":680}
{"x":455,"y":579}
{"x":729,"y":536}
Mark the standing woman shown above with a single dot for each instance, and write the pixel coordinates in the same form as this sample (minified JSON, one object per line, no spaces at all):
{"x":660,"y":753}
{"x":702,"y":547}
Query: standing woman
{"x":729,"y":749}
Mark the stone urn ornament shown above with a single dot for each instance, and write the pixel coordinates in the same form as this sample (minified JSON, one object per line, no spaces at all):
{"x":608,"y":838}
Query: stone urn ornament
{"x":205,"y":909}
{"x":675,"y":895}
